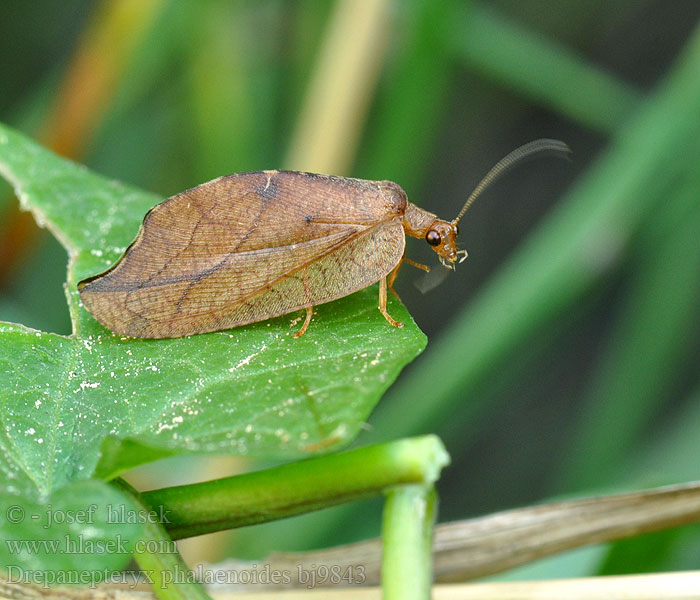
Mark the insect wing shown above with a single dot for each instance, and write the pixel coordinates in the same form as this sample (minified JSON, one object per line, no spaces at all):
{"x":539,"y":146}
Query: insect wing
{"x":245,"y":248}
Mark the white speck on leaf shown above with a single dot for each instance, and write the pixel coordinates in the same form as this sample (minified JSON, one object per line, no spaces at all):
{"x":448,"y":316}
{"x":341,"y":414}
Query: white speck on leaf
{"x":247,"y":359}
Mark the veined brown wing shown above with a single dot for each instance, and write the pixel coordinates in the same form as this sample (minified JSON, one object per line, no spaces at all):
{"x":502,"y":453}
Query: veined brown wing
{"x":251,"y":247}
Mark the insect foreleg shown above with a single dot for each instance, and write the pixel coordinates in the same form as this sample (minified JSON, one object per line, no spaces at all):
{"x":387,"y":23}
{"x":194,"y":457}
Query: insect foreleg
{"x":418,"y":265}
{"x":395,"y":272}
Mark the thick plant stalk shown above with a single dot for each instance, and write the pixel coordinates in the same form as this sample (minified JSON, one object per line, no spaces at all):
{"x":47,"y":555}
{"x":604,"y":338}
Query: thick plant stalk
{"x":409,"y":515}
{"x":298,"y":487}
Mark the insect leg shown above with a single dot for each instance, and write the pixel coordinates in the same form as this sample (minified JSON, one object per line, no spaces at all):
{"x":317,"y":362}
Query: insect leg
{"x":418,"y":265}
{"x":309,"y":314}
{"x":392,"y":278}
{"x":309,"y":308}
{"x":382,"y":304}
{"x":395,"y":272}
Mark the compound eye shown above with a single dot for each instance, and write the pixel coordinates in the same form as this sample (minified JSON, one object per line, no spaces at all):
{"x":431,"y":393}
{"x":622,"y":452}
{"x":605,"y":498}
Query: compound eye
{"x":456,"y":229}
{"x":433,"y":238}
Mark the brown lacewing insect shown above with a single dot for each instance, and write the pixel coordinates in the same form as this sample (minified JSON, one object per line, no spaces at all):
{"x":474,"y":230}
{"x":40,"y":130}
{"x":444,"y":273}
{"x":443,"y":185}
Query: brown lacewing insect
{"x":251,"y":246}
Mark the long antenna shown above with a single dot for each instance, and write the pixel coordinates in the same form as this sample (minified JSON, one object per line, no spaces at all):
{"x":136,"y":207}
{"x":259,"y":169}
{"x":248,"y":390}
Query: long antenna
{"x":554,"y":147}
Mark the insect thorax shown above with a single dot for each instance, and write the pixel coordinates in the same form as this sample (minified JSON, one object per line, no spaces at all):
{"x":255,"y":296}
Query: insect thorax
{"x":417,"y":221}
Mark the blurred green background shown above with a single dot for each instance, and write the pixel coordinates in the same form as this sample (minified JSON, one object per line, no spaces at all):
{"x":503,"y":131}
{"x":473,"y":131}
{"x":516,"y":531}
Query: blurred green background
{"x":563,"y":355}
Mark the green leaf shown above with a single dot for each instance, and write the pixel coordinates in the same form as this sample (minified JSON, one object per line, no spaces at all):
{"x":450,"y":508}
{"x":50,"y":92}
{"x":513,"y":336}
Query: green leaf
{"x":252,"y":390}
{"x":82,"y":530}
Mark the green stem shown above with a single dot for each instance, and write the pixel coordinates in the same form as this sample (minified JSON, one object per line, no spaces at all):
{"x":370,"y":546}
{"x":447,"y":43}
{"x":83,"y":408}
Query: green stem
{"x":158,"y":558}
{"x":409,"y":516}
{"x":298,"y":488}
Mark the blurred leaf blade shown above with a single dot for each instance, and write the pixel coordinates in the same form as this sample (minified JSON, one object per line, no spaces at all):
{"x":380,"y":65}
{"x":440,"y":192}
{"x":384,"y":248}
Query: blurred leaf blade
{"x":672,"y":456}
{"x":98,"y":64}
{"x":334,"y":110}
{"x":646,"y":347}
{"x":232,"y":111}
{"x":415,"y":92}
{"x":541,"y":69}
